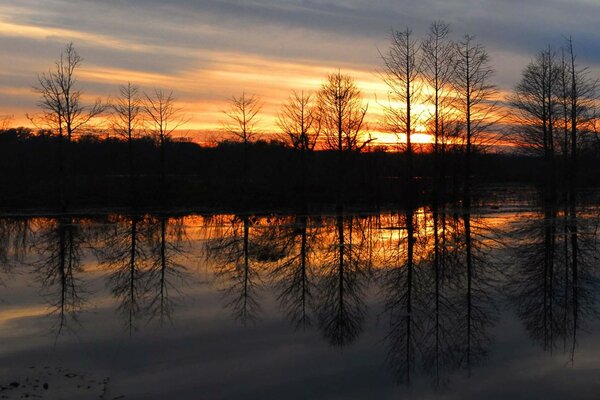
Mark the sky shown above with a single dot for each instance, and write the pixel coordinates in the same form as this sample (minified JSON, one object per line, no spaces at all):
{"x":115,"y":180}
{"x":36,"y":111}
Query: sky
{"x":207,"y":51}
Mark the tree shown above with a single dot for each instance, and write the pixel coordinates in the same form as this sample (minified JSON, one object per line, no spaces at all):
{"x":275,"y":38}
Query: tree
{"x":535,"y":104}
{"x":127,"y":121}
{"x":342,"y":120}
{"x":164,"y":117}
{"x":243,"y":117}
{"x":474,"y":95}
{"x":581,"y":101}
{"x":439,"y":57}
{"x":62,"y":110}
{"x":61,"y":105}
{"x":342,"y":114}
{"x":401,"y":72}
{"x":300,"y":122}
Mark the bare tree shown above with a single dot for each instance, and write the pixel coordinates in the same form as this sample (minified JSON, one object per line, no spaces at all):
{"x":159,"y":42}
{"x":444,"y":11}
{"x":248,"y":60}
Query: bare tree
{"x":581,"y":100}
{"x":300,"y":122}
{"x":342,"y":113}
{"x":474,"y":95}
{"x":243,"y":117}
{"x":536,"y":107}
{"x":300,"y":125}
{"x":60,"y":102}
{"x":5,"y":121}
{"x":439,"y":57}
{"x":401,"y":72}
{"x":164,"y":117}
{"x":62,"y":110}
{"x":127,"y":121}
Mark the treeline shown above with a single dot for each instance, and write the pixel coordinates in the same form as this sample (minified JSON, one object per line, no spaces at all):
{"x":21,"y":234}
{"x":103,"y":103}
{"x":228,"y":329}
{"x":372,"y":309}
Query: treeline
{"x":217,"y":177}
{"x":552,"y":113}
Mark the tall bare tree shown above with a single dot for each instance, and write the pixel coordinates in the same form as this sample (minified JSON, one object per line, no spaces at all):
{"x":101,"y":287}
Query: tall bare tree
{"x":60,"y":97}
{"x":127,"y":122}
{"x":242,"y":123}
{"x":164,"y":117}
{"x":300,"y":125}
{"x":243,"y":117}
{"x":536,"y":107}
{"x":581,"y":101}
{"x":401,"y":74}
{"x":439,"y":57}
{"x":475,"y":95}
{"x":342,"y":114}
{"x":300,"y":122}
{"x":342,"y":119}
{"x":62,"y":110}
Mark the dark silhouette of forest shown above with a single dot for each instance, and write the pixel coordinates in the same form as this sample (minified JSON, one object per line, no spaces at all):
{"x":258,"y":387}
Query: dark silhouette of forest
{"x":199,"y":176}
{"x":322,"y":151}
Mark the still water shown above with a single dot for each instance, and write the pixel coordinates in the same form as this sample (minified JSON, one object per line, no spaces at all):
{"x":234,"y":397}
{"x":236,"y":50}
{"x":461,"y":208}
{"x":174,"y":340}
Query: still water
{"x":494,"y":302}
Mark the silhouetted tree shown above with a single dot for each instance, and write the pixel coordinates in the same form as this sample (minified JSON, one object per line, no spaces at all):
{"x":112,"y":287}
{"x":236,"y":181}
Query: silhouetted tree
{"x":582,"y":108}
{"x":164,"y":117}
{"x":60,"y":98}
{"x":342,"y":114}
{"x":300,"y":125}
{"x":474,"y":96}
{"x":243,"y":117}
{"x":242,"y":123}
{"x":402,"y":69}
{"x":536,"y":109}
{"x":439,"y":59}
{"x":300,"y":121}
{"x":342,"y":119}
{"x":127,"y":122}
{"x":62,"y":109}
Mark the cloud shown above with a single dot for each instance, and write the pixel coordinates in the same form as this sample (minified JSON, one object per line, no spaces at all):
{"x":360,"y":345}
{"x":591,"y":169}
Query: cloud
{"x":204,"y":48}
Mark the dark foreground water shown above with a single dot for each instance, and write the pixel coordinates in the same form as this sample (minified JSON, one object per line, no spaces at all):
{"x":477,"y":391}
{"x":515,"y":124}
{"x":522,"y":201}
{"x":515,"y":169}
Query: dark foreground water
{"x":495,"y":302}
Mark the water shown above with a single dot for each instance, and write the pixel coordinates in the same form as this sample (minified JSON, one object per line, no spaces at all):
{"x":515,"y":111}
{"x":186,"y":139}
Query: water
{"x":335,"y":305}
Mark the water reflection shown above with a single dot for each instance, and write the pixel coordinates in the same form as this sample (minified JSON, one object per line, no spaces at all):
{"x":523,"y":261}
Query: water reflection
{"x":554,"y":282}
{"x":59,"y":268}
{"x":429,"y":284}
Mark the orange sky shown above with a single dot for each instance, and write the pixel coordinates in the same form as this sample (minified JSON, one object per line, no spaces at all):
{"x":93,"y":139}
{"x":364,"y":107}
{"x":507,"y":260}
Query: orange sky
{"x":208,"y":52}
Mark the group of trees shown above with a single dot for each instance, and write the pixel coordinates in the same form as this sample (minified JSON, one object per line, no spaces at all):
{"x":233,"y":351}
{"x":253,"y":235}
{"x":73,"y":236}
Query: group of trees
{"x":131,"y":114}
{"x":556,"y":110}
{"x":437,"y":86}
